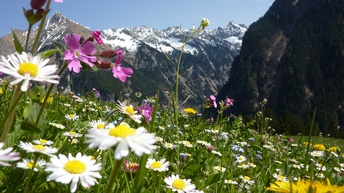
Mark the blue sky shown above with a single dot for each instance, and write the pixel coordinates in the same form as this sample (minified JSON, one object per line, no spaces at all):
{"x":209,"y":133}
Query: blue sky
{"x":158,"y":14}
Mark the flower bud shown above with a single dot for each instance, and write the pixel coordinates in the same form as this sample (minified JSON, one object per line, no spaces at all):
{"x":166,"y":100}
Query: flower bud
{"x":37,"y":4}
{"x":204,"y":23}
{"x":108,"y":53}
{"x":104,"y":64}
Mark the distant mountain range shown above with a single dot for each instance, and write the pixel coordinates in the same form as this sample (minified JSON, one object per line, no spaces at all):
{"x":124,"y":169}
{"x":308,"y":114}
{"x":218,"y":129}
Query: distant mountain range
{"x":205,"y":64}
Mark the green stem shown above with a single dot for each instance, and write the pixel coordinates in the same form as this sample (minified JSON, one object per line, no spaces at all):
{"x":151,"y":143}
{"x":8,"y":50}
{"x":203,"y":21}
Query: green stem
{"x":113,"y":175}
{"x":7,"y":122}
{"x":139,"y":177}
{"x":27,"y":185}
{"x":48,"y":94}
{"x":27,"y":37}
{"x":40,"y":28}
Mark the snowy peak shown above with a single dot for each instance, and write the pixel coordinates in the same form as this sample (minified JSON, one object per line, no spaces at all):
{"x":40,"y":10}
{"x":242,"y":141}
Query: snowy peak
{"x":171,"y":38}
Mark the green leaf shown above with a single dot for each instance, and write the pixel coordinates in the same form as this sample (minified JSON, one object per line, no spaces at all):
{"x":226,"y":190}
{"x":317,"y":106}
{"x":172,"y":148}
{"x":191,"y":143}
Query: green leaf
{"x":212,"y":179}
{"x":48,"y":53}
{"x":26,"y":126}
{"x":58,"y":45}
{"x":17,"y":45}
{"x":26,"y":111}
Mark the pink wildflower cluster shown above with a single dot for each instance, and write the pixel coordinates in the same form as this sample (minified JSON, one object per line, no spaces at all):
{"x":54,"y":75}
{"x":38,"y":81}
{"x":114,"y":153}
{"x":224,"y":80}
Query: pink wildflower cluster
{"x":82,"y":53}
{"x":223,"y":104}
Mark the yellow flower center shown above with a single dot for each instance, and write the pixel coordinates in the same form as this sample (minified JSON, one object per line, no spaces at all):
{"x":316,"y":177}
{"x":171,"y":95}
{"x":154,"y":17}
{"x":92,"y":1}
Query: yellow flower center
{"x":100,"y":126}
{"x":72,"y":133}
{"x":30,"y":165}
{"x":130,"y":110}
{"x":71,"y":116}
{"x":156,"y":165}
{"x":247,"y":178}
{"x":122,"y":130}
{"x":28,"y":67}
{"x":39,"y":147}
{"x":75,"y":167}
{"x":43,"y":141}
{"x":179,"y":184}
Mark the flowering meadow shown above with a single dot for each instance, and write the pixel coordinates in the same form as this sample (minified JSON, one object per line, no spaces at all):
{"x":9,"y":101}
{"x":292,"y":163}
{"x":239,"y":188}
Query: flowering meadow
{"x":54,"y":140}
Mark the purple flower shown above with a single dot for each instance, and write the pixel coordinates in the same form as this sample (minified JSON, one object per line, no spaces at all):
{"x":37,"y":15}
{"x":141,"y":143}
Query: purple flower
{"x":229,"y":102}
{"x":78,"y":53}
{"x":121,"y":72}
{"x":97,"y":37}
{"x":146,"y":111}
{"x":120,"y":54}
{"x":212,"y":97}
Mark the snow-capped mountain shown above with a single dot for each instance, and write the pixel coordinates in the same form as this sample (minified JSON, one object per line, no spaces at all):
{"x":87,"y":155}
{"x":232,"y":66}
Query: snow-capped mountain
{"x":205,"y":64}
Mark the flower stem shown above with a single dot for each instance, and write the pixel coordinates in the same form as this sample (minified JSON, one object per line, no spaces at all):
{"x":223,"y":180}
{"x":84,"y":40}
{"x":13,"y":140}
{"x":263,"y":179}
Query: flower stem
{"x":27,"y":185}
{"x":48,"y":94}
{"x":27,"y":37}
{"x":7,"y":122}
{"x":40,"y":28}
{"x":113,"y":175}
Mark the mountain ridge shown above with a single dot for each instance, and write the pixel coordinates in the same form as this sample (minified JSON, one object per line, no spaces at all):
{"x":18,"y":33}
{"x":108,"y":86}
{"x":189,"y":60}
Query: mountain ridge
{"x":293,"y":56}
{"x":206,"y":60}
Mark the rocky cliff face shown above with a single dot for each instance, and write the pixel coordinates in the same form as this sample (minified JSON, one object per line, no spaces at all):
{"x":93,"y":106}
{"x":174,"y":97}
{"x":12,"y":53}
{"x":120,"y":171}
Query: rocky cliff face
{"x":294,"y":57}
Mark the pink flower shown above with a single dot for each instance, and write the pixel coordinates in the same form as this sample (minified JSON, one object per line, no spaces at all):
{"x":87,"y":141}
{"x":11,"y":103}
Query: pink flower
{"x":130,"y":167}
{"x":58,"y":1}
{"x":229,"y":102}
{"x":121,"y":72}
{"x":146,"y":111}
{"x":96,"y":35}
{"x":213,"y":98}
{"x":120,"y":54}
{"x":7,"y":155}
{"x":78,"y":53}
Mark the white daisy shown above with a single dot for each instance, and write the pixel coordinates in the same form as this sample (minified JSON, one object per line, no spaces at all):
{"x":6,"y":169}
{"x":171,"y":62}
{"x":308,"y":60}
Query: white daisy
{"x":179,"y":185}
{"x":240,"y":159}
{"x":219,"y":168}
{"x":72,"y":134}
{"x":28,"y":164}
{"x":130,"y":111}
{"x":159,"y":166}
{"x":25,"y":67}
{"x":7,"y":155}
{"x":123,"y":137}
{"x":97,"y":124}
{"x":43,"y":142}
{"x":74,"y":169}
{"x":247,"y":180}
{"x":280,"y":177}
{"x":59,"y":126}
{"x":243,"y":166}
{"x":159,"y":139}
{"x":186,"y":143}
{"x":231,"y":182}
{"x":168,"y":145}
{"x":216,"y":152}
{"x":72,"y":117}
{"x":29,"y":147}
{"x":317,"y":153}
{"x":203,"y":143}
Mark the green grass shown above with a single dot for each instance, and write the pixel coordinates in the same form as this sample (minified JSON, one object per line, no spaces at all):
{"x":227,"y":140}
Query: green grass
{"x":327,"y":141}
